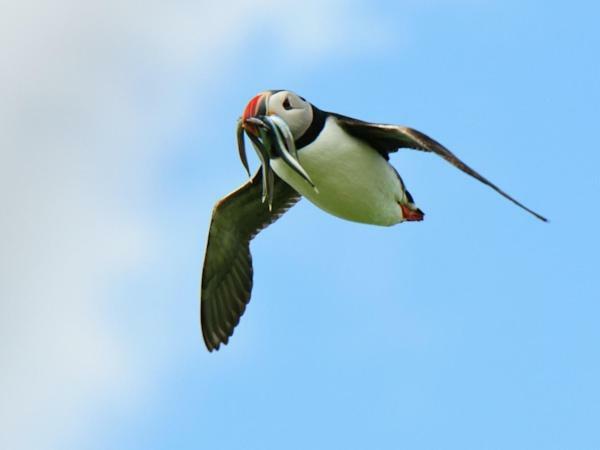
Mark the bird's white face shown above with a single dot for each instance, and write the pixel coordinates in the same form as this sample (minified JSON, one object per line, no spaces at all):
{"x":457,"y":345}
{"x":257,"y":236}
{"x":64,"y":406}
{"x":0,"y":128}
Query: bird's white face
{"x":293,"y":109}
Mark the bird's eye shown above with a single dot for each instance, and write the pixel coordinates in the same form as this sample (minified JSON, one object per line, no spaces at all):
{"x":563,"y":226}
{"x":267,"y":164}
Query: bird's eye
{"x":286,"y":104}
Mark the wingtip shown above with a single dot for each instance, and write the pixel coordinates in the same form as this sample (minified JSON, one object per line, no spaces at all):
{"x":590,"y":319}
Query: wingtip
{"x":211,"y":340}
{"x":211,"y":346}
{"x":208,"y":343}
{"x":537,"y":216}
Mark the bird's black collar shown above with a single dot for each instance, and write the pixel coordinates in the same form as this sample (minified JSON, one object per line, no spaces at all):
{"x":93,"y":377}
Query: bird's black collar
{"x":314,"y":129}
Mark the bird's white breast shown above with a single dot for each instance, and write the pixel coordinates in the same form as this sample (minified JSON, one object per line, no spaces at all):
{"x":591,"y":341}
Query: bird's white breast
{"x":354,"y":182}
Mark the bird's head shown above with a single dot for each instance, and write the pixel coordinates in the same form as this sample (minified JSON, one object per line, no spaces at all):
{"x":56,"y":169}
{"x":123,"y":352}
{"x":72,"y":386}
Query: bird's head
{"x":296,"y":112}
{"x":274,"y":121}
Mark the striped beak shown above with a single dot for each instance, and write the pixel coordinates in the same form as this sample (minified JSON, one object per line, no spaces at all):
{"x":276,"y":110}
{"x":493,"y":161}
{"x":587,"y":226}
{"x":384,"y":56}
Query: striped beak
{"x":255,"y":107}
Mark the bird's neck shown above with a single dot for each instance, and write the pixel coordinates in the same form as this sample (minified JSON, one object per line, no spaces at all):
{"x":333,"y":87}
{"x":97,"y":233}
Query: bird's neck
{"x":311,"y":133}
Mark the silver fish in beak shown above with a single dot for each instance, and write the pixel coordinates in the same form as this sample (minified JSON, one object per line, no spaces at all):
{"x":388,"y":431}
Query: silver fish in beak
{"x":271,"y":138}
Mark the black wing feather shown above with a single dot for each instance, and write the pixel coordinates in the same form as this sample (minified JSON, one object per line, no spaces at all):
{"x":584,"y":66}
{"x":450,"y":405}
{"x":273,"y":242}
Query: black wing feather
{"x":227,"y":272}
{"x":389,"y":138}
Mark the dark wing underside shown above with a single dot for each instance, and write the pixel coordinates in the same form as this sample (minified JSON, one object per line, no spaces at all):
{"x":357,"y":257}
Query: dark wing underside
{"x":227,"y":273}
{"x":389,"y":138}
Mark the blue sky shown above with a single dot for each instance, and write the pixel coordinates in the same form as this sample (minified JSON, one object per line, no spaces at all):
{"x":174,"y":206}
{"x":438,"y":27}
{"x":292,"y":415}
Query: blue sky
{"x":475,"y":329}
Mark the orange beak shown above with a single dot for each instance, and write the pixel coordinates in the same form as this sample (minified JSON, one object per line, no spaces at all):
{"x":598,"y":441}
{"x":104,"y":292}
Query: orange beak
{"x":255,"y":107}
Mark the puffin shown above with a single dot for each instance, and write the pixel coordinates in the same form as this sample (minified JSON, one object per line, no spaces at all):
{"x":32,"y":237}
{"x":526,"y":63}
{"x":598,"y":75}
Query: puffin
{"x":338,"y":163}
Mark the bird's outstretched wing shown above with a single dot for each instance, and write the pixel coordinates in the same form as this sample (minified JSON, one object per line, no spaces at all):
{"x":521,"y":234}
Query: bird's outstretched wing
{"x":227,"y":273}
{"x":389,"y":138}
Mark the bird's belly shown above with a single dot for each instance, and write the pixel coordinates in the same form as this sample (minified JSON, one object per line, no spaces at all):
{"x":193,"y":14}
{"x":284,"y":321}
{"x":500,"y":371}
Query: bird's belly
{"x":354,"y":182}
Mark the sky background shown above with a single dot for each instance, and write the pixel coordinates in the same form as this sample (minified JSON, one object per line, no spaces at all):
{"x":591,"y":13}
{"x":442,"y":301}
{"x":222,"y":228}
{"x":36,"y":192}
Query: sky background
{"x":475,"y":329}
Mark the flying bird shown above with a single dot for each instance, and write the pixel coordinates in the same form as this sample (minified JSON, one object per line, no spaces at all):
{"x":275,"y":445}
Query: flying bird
{"x":339,"y":163}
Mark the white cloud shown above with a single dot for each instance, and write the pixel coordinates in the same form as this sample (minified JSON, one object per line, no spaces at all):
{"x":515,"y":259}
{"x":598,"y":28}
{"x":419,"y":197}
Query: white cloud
{"x":88,"y":90}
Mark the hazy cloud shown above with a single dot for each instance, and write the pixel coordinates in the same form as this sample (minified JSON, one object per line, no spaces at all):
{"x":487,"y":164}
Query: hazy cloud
{"x":88,"y":89}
